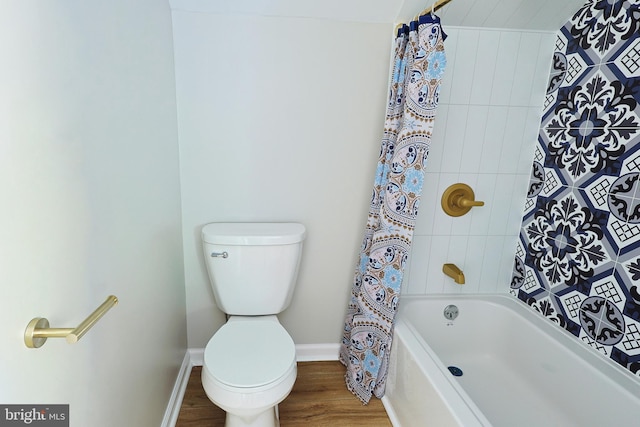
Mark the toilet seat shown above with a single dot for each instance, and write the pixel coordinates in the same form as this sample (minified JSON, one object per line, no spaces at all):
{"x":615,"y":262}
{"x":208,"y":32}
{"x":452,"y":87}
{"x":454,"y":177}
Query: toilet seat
{"x":250,"y":353}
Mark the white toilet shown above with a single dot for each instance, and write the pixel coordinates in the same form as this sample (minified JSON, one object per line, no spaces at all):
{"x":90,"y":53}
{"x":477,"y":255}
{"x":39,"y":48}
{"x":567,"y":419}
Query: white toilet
{"x":250,"y":362}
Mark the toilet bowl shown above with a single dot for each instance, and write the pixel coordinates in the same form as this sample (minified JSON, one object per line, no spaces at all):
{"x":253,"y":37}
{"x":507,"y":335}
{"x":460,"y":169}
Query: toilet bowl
{"x":249,"y":367}
{"x":250,"y":362}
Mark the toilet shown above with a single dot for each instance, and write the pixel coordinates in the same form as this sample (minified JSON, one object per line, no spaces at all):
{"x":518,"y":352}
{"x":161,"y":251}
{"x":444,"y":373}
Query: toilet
{"x":250,"y":362}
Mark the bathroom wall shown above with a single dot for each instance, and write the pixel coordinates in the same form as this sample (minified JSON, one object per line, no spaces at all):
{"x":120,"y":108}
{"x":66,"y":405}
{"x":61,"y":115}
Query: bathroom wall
{"x":280,"y":119}
{"x":271,"y":129}
{"x":89,"y":182}
{"x":484,"y":136}
{"x":578,"y":255}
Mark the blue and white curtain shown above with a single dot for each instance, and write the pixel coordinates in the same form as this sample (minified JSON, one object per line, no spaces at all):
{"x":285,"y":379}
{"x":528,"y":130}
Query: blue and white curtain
{"x":415,"y":87}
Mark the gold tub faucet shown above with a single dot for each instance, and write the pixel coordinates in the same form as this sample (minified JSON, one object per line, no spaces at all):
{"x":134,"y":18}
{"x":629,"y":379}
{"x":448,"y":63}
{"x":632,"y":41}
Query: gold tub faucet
{"x":454,"y":272}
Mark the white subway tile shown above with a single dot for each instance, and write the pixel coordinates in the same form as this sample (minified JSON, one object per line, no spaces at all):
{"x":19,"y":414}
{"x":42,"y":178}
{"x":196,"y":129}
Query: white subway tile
{"x":512,"y":141}
{"x":530,"y":133}
{"x":543,"y":66}
{"x":479,"y":12}
{"x":415,"y":280}
{"x":484,"y":190}
{"x":436,"y":150}
{"x":463,"y":72}
{"x":505,"y":72}
{"x":473,"y":140}
{"x":486,"y":63}
{"x":518,"y":198}
{"x":438,"y":257}
{"x":484,"y":136}
{"x":502,"y":202}
{"x":457,"y":251}
{"x":493,"y":139}
{"x":454,"y":138}
{"x":502,"y":14}
{"x":450,"y":48}
{"x":491,"y":258}
{"x":474,"y":263}
{"x":525,"y":69}
{"x":429,"y":203}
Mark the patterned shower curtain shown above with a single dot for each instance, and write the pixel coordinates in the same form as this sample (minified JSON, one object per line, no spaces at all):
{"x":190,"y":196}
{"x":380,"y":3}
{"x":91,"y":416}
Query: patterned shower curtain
{"x":417,"y":72}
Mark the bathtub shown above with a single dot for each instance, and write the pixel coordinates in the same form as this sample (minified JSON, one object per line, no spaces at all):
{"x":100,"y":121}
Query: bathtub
{"x":518,"y":369}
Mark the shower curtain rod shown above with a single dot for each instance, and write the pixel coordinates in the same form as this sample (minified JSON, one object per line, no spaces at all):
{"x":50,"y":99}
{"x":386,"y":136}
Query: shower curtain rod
{"x":437,"y":5}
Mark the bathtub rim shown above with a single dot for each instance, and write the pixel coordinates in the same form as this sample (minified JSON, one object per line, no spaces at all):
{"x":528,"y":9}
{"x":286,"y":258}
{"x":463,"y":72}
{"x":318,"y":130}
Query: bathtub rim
{"x":458,"y":403}
{"x":603,"y":365}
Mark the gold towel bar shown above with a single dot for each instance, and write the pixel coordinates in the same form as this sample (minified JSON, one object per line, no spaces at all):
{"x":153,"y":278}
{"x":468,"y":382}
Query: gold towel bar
{"x":38,"y":329}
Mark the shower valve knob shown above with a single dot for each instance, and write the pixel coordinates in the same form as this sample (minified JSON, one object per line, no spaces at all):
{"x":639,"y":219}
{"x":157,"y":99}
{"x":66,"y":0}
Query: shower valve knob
{"x":458,"y":199}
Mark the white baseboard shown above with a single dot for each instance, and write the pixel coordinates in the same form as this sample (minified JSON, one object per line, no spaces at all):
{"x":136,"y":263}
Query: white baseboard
{"x":317,"y":352}
{"x":177,"y":394}
{"x":391,"y":413}
{"x":195,"y":357}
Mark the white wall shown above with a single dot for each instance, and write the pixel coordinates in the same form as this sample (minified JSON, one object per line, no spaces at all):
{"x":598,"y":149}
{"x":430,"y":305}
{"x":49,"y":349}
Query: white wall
{"x":89,"y":183}
{"x":484,"y":136}
{"x":275,"y":137}
{"x":280,"y":119}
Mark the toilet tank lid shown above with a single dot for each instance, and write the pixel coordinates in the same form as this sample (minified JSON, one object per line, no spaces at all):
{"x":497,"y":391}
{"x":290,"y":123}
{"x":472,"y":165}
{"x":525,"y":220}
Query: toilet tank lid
{"x":253,"y":233}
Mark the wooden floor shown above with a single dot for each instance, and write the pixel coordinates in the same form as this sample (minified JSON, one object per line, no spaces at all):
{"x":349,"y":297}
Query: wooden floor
{"x":319,"y":398}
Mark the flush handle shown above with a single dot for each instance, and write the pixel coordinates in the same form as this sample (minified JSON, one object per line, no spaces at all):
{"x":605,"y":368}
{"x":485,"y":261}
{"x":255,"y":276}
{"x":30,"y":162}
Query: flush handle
{"x":224,"y":254}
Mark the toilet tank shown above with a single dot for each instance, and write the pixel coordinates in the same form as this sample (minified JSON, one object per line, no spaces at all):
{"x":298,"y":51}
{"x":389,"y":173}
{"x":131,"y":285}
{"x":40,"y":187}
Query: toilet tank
{"x":253,"y":266}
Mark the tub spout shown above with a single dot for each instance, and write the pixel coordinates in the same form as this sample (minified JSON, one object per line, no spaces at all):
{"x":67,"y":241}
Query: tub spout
{"x":454,"y":272}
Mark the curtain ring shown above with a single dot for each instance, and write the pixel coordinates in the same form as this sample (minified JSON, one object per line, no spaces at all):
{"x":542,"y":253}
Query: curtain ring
{"x":433,"y":6}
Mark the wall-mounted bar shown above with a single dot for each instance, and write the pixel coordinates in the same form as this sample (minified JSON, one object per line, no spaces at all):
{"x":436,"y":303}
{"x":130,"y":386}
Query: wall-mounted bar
{"x":439,"y":4}
{"x":38,"y":329}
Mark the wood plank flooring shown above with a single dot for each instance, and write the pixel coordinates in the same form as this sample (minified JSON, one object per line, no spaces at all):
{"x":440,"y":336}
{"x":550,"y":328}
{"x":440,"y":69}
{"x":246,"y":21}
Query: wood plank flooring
{"x":319,"y":398}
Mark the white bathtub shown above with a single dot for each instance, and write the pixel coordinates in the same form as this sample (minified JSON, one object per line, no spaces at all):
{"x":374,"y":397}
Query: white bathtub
{"x":519,"y":369}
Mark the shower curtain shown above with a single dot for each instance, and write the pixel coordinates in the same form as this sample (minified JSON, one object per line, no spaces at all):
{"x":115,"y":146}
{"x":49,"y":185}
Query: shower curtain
{"x":413,"y":99}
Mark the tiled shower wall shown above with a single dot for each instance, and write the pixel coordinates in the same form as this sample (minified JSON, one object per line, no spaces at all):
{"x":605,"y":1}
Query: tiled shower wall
{"x":484,"y":136}
{"x":578,"y":256}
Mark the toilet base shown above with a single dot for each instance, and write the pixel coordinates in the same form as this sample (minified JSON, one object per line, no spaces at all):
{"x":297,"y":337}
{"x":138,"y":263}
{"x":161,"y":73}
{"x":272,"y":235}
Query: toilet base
{"x":268,"y":418}
{"x":253,"y":404}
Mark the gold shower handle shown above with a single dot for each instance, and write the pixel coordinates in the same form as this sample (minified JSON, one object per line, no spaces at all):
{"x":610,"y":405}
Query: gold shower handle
{"x":38,"y":329}
{"x":466,"y":203}
{"x":458,"y":199}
